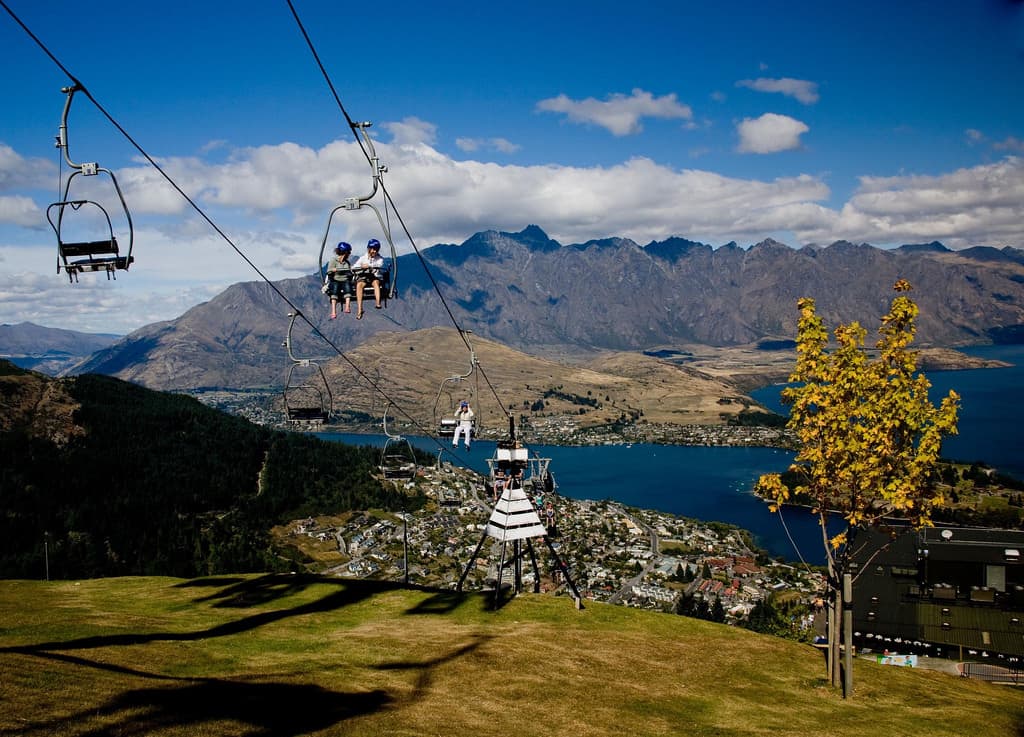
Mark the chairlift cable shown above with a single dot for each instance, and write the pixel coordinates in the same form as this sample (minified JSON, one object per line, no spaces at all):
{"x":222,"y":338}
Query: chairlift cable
{"x":791,"y":540}
{"x":138,"y":147}
{"x":387,"y":195}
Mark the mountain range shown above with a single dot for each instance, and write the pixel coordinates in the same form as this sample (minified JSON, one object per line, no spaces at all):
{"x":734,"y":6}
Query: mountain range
{"x":530,"y":292}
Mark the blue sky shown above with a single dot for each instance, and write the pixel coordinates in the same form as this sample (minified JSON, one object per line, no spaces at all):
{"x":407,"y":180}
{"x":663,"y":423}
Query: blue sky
{"x":806,"y":122}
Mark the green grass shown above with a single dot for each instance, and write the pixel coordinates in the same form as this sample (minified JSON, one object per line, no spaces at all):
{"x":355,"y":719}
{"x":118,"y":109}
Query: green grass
{"x":290,"y":655}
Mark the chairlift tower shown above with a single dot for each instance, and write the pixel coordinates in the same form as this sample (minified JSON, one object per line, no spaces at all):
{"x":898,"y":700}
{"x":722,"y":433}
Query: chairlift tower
{"x":514,"y":519}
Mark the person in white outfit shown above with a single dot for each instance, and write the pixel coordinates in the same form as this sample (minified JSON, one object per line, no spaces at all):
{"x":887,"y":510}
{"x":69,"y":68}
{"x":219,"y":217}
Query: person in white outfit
{"x":464,"y":415}
{"x":369,"y":270}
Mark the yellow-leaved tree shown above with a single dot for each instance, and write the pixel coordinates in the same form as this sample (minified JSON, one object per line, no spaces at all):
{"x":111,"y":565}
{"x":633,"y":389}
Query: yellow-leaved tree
{"x":869,"y":439}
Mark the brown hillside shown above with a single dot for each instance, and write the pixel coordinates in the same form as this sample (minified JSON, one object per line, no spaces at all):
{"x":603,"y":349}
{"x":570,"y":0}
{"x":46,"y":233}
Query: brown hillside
{"x":412,"y":367}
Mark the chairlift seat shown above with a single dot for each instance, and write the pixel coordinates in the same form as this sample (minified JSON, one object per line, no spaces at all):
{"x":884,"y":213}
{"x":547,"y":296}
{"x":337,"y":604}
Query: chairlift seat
{"x":307,"y":414}
{"x":405,"y":471}
{"x":89,"y":248}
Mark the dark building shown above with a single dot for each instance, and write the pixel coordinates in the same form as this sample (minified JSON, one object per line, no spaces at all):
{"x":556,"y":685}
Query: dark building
{"x":952,"y":591}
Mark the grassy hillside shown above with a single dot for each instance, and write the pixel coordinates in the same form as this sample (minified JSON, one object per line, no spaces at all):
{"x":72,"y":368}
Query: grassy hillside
{"x":289,"y":655}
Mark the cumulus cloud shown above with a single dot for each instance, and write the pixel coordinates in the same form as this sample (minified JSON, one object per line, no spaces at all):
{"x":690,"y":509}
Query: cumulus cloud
{"x":95,"y":305}
{"x":273,"y":202}
{"x":769,"y":134}
{"x":471,"y":145}
{"x":412,"y":131}
{"x":17,"y":172}
{"x":970,"y":206}
{"x":799,"y":89}
{"x":23,"y":211}
{"x":619,"y":114}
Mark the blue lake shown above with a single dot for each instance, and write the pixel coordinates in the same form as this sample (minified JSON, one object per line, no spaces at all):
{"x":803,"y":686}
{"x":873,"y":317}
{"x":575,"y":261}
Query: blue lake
{"x":715,"y":484}
{"x":990,"y":427}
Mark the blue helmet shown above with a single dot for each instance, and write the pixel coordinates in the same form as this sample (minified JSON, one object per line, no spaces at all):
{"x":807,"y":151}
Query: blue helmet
{"x":372,"y":243}
{"x":343,"y":247}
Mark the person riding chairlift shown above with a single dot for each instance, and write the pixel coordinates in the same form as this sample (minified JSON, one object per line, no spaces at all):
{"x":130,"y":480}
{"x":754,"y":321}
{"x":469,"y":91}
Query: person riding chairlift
{"x":370,"y":269}
{"x":464,"y":415}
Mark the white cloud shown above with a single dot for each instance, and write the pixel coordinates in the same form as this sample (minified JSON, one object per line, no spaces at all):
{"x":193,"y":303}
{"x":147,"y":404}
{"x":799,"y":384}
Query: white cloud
{"x":1010,"y":143}
{"x":619,"y":114}
{"x":970,"y":206}
{"x":412,"y":131}
{"x":503,"y":145}
{"x":769,"y":134}
{"x":800,"y":89}
{"x":273,"y":202}
{"x":974,"y":136}
{"x":23,"y":211}
{"x":17,"y":172}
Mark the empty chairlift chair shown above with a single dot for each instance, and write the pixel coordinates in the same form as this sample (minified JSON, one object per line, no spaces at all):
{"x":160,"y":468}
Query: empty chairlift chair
{"x":70,"y":216}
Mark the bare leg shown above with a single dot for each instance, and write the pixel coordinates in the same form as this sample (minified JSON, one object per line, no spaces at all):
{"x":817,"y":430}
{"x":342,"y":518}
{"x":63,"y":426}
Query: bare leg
{"x":334,"y":307}
{"x":359,"y":299}
{"x":376,"y":293}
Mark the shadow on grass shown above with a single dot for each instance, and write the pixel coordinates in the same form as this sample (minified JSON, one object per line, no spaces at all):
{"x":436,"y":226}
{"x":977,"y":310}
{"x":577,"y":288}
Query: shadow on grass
{"x":250,"y":709}
{"x":248,"y":593}
{"x":440,"y":601}
{"x":240,"y":593}
{"x":244,"y":708}
{"x":426,"y":667}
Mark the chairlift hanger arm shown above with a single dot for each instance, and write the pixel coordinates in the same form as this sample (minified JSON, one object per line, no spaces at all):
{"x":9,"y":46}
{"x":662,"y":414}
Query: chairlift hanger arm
{"x":89,"y":168}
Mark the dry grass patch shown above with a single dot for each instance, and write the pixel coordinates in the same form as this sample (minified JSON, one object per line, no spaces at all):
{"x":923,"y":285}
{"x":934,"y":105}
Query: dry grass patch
{"x":260,"y":655}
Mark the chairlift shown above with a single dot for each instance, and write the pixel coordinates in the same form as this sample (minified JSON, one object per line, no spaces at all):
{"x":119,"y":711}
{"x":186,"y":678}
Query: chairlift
{"x":389,"y":276}
{"x":397,"y":459}
{"x":308,"y":400}
{"x":79,"y":256}
{"x":445,"y":403}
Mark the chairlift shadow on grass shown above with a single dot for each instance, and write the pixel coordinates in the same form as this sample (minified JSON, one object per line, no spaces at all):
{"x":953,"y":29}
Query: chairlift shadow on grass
{"x":446,"y":601}
{"x":254,"y":592}
{"x":250,"y":708}
{"x":246,"y":592}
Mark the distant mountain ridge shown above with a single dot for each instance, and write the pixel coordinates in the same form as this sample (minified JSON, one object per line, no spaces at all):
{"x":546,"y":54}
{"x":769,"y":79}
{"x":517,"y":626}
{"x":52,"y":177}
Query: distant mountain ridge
{"x":529,"y":292}
{"x":50,"y":350}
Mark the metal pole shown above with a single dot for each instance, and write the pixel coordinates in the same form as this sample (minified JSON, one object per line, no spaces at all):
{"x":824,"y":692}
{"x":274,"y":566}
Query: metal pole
{"x":848,"y":635}
{"x":536,"y":570}
{"x":563,"y":568}
{"x":501,"y":574}
{"x":472,"y":560}
{"x":405,"y":539}
{"x":46,"y":553}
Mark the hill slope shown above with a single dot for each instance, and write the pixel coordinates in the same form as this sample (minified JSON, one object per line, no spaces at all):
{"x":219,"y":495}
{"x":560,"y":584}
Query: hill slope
{"x":412,"y":367}
{"x":529,"y":292}
{"x":50,"y":350}
{"x":292,"y":655}
{"x":109,"y":478}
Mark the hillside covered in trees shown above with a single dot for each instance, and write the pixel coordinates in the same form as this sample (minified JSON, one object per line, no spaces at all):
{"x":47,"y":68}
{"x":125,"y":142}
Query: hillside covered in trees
{"x":99,"y":477}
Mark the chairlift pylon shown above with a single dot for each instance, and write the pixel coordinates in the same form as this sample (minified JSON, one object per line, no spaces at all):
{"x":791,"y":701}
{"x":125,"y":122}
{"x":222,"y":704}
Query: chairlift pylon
{"x":79,"y":256}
